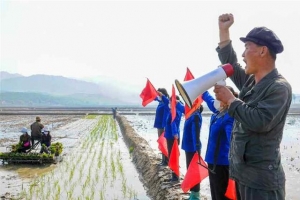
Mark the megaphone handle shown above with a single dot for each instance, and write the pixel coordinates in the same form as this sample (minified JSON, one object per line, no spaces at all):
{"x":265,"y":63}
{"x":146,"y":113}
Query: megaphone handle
{"x":221,"y":82}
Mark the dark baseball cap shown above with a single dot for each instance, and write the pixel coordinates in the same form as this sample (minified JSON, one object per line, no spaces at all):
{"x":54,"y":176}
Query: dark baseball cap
{"x":264,"y":37}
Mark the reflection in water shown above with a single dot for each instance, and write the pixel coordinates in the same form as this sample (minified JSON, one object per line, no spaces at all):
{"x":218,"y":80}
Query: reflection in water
{"x":32,"y":171}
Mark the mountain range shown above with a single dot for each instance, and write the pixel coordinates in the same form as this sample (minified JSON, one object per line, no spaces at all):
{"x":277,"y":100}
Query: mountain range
{"x":48,"y":90}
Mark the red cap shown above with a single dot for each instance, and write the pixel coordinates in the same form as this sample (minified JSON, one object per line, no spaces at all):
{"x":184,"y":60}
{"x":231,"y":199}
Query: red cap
{"x":228,"y":69}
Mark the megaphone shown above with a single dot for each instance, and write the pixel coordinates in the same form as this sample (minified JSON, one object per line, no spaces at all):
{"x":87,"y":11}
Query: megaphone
{"x":190,"y":90}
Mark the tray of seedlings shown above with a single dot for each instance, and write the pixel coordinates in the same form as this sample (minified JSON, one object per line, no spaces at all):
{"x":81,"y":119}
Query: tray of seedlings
{"x":14,"y":157}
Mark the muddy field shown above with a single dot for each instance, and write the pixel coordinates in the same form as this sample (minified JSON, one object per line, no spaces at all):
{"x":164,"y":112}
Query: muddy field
{"x":93,"y":167}
{"x":11,"y":124}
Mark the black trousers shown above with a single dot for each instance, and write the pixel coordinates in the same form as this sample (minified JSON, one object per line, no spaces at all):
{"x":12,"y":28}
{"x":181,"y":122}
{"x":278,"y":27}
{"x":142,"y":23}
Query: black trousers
{"x":218,"y":181}
{"x":23,"y":149}
{"x":247,"y":193}
{"x":188,"y":158}
{"x":170,"y":145}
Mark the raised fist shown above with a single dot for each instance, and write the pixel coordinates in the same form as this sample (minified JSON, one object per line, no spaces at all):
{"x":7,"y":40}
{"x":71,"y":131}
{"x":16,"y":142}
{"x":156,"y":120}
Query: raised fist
{"x":225,"y":21}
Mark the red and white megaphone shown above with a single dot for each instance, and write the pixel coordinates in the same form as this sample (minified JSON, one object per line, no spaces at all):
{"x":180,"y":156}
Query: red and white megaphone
{"x":190,"y":90}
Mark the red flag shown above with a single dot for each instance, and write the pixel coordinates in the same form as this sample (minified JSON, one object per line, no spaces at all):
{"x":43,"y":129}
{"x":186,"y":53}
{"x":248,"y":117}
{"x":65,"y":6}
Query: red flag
{"x":162,"y":144}
{"x":188,"y":75}
{"x":187,"y":110}
{"x":231,"y":191}
{"x":174,"y":158}
{"x":195,"y":173}
{"x":173,"y":103}
{"x":148,"y":94}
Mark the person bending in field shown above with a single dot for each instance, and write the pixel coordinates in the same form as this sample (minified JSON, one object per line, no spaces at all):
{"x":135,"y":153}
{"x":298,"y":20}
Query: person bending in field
{"x":24,"y":141}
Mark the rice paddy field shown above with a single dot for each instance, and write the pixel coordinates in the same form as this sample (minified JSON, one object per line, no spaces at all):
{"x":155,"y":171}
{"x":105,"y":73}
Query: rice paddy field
{"x":96,"y":163}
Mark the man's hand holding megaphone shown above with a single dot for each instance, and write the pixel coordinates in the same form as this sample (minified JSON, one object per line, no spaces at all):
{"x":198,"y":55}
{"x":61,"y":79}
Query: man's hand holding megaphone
{"x":223,"y":94}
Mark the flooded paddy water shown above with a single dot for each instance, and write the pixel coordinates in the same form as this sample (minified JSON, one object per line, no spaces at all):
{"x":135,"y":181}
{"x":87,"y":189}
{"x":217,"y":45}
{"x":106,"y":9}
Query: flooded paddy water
{"x":97,"y":164}
{"x":290,"y":149}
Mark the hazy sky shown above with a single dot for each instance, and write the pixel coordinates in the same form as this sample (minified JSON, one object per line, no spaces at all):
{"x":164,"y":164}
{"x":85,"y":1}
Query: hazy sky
{"x":132,"y":40}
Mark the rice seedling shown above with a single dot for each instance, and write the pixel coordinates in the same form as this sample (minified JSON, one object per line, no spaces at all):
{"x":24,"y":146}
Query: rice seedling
{"x":23,"y":194}
{"x":97,"y":178}
{"x":67,"y":166}
{"x":99,"y":163}
{"x":92,"y":195}
{"x":72,"y":188}
{"x":101,"y":195}
{"x":69,"y":195}
{"x":105,"y":174}
{"x":71,"y":175}
{"x":113,"y":168}
{"x":124,"y":187}
{"x":48,"y":192}
{"x":88,"y":179}
{"x":58,"y":191}
{"x":94,"y":155}
{"x":121,"y":170}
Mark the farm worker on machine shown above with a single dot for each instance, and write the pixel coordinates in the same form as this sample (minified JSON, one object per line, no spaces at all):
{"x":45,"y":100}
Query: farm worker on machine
{"x":36,"y":130}
{"x":46,"y":140}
